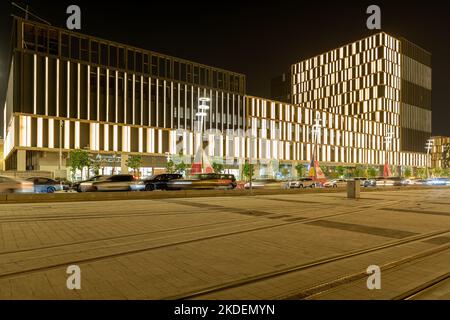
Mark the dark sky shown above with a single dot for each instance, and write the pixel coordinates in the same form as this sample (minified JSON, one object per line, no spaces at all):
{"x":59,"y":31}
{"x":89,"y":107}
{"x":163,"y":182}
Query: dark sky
{"x":259,"y":39}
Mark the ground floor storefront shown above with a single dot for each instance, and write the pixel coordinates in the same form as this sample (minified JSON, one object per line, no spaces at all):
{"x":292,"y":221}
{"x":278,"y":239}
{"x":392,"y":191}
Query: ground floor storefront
{"x":101,"y":163}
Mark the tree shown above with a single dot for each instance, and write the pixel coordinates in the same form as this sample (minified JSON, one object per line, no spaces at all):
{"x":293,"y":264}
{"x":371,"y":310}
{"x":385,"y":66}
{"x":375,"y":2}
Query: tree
{"x":446,"y":172}
{"x":300,"y":170}
{"x":359,"y":172}
{"x":284,"y":171}
{"x":95,"y":166}
{"x":372,"y":172}
{"x":247,"y":170}
{"x":422,"y":173}
{"x":407,"y":173}
{"x":181,"y":167}
{"x":218,"y":167}
{"x":437,"y":172}
{"x":78,"y":159}
{"x":134,"y":162}
{"x":170,"y":166}
{"x":340,"y":170}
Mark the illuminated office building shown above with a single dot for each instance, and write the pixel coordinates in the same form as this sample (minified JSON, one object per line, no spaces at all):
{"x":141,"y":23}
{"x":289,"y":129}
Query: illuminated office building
{"x":70,"y":91}
{"x":440,"y":152}
{"x":108,"y":98}
{"x":381,"y":79}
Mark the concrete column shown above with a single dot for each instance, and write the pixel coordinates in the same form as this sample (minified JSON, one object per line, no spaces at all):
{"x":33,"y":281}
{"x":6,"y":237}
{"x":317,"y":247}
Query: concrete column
{"x":21,"y":160}
{"x":123,"y":164}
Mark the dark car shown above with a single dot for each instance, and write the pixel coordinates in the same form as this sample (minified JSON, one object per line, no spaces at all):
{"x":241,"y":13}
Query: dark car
{"x":232,"y":180}
{"x":86,"y":185}
{"x":46,"y":185}
{"x":204,"y":181}
{"x":159,"y":182}
{"x":120,"y":182}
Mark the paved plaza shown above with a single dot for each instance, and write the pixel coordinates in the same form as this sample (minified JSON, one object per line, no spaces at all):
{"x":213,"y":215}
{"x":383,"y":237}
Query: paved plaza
{"x":285,"y":246}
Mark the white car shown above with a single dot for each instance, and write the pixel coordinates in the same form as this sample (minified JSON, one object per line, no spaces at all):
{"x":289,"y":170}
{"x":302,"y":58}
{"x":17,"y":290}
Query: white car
{"x":335,"y":183}
{"x":302,"y":183}
{"x":12,"y":185}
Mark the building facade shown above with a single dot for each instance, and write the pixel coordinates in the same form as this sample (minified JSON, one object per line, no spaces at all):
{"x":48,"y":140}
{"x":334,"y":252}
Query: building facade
{"x":380,"y":79}
{"x":440,"y":152}
{"x":69,"y":91}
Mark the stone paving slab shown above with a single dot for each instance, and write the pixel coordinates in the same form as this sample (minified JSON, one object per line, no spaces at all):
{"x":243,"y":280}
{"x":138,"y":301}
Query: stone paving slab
{"x":159,"y":248}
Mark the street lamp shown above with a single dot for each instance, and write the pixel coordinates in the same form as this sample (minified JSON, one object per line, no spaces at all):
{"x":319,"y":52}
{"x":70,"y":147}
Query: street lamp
{"x":203,"y":107}
{"x":388,"y":142}
{"x":60,"y":153}
{"x":316,"y":131}
{"x":428,"y":147}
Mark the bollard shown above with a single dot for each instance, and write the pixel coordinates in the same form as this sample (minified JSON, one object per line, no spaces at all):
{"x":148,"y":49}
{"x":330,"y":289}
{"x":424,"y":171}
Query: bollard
{"x":353,"y":188}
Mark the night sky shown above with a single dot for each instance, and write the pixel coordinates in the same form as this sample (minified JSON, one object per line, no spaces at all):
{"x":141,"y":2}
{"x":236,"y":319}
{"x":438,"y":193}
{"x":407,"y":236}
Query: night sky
{"x":259,"y":39}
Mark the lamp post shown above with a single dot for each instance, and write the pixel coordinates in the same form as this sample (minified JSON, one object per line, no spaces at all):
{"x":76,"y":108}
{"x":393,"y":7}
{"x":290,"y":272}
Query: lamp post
{"x":388,"y":142}
{"x":60,"y":153}
{"x":316,"y":132}
{"x":250,"y":154}
{"x":428,"y":147}
{"x":203,"y":107}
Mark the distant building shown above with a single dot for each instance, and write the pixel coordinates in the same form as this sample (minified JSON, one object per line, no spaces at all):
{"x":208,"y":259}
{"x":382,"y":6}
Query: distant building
{"x":440,"y":152}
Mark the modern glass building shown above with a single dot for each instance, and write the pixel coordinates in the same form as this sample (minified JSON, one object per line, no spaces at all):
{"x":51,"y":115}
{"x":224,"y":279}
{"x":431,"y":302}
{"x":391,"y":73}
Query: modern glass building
{"x":70,"y":91}
{"x":384,"y":80}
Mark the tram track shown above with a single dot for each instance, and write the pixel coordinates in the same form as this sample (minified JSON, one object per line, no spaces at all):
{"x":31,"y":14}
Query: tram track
{"x":320,"y":288}
{"x":156,"y":247}
{"x":424,"y":288}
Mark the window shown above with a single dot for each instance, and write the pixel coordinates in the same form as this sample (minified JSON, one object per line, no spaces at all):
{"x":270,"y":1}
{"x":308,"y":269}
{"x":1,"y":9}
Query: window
{"x":176,"y":71}
{"x":121,"y":58}
{"x":94,"y":51}
{"x":104,"y":54}
{"x":53,"y":42}
{"x":146,"y":65}
{"x":29,"y":37}
{"x":65,"y":45}
{"x":75,"y":48}
{"x":85,"y":49}
{"x":113,"y":56}
{"x":139,"y":62}
{"x":130,"y":57}
{"x":42,"y":39}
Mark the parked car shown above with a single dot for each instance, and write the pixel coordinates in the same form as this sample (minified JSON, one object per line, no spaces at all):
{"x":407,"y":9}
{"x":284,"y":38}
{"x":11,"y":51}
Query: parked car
{"x":46,"y":185}
{"x":159,"y":182}
{"x":120,"y":182}
{"x":370,"y":183}
{"x":302,"y":183}
{"x":391,"y":181}
{"x":203,"y":181}
{"x":335,"y":183}
{"x":417,"y":182}
{"x":87,"y":185}
{"x":265,"y":184}
{"x":12,"y":185}
{"x":438,"y":182}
